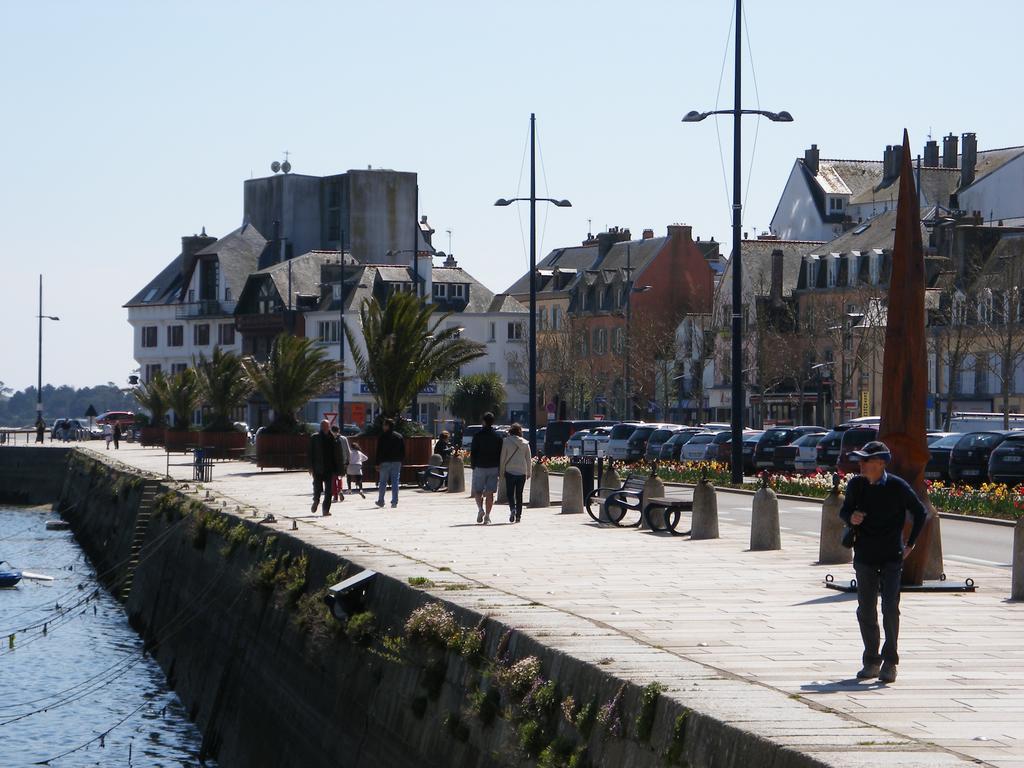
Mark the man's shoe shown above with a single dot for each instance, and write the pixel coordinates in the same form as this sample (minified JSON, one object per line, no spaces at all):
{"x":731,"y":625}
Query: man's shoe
{"x":487,"y":519}
{"x":480,"y":515}
{"x":326,"y":514}
{"x":887,"y":673}
{"x":511,"y":517}
{"x":379,"y":503}
{"x":394,"y":504}
{"x":315,"y":505}
{"x":869,"y":672}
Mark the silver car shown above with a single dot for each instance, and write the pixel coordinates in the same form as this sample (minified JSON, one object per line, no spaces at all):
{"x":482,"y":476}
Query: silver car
{"x":618,"y":440}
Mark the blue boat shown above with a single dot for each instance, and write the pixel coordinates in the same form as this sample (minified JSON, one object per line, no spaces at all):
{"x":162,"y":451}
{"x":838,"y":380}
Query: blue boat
{"x":8,"y":578}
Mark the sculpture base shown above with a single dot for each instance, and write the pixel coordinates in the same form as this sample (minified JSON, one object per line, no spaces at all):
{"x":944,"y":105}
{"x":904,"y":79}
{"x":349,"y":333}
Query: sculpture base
{"x":941,"y":584}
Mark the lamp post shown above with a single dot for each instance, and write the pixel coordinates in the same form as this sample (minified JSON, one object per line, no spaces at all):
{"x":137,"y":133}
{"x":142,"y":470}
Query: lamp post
{"x":39,"y":383}
{"x":735,"y":261}
{"x":627,"y":406}
{"x":533,"y":200}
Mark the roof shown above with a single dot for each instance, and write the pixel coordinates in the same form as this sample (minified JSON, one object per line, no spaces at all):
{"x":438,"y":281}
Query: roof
{"x":757,"y":264}
{"x":636,"y":253}
{"x":876,"y":232}
{"x":937,"y":184}
{"x":371,"y":281}
{"x":1010,"y":246}
{"x":575,"y":258}
{"x":162,"y":289}
{"x":991,"y":160}
{"x":848,"y":177}
{"x":238,"y":254}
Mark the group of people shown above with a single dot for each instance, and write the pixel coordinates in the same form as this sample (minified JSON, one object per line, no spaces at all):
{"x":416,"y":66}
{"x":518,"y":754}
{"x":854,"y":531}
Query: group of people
{"x":493,"y":456}
{"x":332,"y":455}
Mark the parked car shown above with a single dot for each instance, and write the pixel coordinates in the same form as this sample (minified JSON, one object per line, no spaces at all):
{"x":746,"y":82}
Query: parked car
{"x":559,"y":432}
{"x":574,"y":445}
{"x":722,"y":446}
{"x":749,"y":444}
{"x":636,"y":446}
{"x":937,"y":467}
{"x":702,"y":446}
{"x":1006,"y":462}
{"x":828,"y":448}
{"x":618,"y":441}
{"x":658,"y":439}
{"x":764,"y":451}
{"x":600,"y":437}
{"x":968,"y":462}
{"x":854,"y":438}
{"x":671,"y":448}
{"x":541,"y":434}
{"x":799,"y":456}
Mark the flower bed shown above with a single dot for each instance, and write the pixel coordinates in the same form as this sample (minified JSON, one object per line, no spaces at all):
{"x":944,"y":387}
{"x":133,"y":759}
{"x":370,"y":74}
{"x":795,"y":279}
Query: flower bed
{"x":991,"y":500}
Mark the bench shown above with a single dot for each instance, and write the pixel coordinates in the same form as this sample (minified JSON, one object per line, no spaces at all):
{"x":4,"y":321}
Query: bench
{"x":618,"y":501}
{"x":663,"y":514}
{"x":432,"y":478}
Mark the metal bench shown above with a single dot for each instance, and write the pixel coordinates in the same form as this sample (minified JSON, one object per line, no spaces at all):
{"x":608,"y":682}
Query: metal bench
{"x":432,"y":478}
{"x":663,"y":514}
{"x":619,"y":501}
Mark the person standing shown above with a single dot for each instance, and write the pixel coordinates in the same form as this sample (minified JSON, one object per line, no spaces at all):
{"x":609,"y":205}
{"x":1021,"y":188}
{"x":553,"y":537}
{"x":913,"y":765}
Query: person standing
{"x":40,"y":430}
{"x":117,"y":436}
{"x":515,"y":464}
{"x":390,"y":455}
{"x":345,"y":451}
{"x":355,"y":468}
{"x":108,"y":434}
{"x":876,"y":505}
{"x":324,"y":463}
{"x":485,"y":458}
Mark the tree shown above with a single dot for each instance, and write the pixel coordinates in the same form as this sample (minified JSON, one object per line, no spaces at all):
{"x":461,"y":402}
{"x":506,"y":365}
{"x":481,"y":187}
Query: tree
{"x":474,"y":395}
{"x":183,"y":397}
{"x":406,"y":349}
{"x":223,"y":386}
{"x":153,"y":395}
{"x":296,"y":371}
{"x":1000,"y":311}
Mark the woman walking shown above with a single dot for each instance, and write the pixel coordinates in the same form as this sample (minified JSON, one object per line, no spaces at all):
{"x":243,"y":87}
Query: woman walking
{"x":515,"y":464}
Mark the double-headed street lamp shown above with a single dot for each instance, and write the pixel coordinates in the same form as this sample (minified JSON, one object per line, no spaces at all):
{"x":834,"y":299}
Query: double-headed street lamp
{"x":533,"y":200}
{"x":39,"y":383}
{"x":735,"y":261}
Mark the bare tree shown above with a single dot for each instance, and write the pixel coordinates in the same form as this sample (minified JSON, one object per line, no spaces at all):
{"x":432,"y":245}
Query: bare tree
{"x":1000,"y":317}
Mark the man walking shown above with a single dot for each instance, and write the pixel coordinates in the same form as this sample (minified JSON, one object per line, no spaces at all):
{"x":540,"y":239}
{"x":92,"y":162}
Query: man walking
{"x":390,"y":455}
{"x":876,"y":505}
{"x":325,"y":461}
{"x":485,"y":457}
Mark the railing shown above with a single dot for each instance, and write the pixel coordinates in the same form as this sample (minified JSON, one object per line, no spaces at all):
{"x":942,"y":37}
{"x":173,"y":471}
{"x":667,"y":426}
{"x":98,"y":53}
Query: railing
{"x":204,"y":308}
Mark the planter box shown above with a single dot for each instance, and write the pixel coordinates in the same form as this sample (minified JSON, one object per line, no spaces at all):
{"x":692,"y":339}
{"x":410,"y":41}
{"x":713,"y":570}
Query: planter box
{"x":151,"y":436}
{"x":282,"y":451}
{"x":180,"y":440}
{"x":223,"y":445}
{"x":417,"y":456}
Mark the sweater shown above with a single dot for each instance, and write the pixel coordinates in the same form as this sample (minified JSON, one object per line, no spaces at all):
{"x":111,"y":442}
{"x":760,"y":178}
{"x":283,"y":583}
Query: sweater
{"x":515,"y":456}
{"x":390,"y":447}
{"x":485,"y":451}
{"x":885,"y":505}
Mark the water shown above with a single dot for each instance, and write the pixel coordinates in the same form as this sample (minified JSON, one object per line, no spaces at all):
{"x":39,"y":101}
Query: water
{"x":87,"y":671}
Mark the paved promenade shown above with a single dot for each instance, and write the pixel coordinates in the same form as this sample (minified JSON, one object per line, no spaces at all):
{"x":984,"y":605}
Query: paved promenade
{"x":750,"y":638}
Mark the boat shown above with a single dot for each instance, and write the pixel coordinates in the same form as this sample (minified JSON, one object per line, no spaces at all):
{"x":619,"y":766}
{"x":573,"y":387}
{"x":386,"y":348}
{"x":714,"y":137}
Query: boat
{"x":8,"y":577}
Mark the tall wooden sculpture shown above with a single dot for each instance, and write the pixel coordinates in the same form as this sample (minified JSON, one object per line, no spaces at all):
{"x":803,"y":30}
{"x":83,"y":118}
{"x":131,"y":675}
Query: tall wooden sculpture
{"x":905,"y":371}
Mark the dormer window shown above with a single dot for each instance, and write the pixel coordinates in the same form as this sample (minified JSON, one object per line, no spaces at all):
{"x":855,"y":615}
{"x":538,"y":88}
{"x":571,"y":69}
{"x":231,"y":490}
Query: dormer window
{"x":835,"y":205}
{"x":812,"y":271}
{"x":875,"y":266}
{"x":832,"y":276}
{"x":457,"y":291}
{"x":440,"y":290}
{"x":852,"y":268}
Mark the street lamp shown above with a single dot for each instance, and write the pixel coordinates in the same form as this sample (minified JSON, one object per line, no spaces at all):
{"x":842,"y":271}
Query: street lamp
{"x":39,"y":383}
{"x":735,"y":261}
{"x":532,"y":200}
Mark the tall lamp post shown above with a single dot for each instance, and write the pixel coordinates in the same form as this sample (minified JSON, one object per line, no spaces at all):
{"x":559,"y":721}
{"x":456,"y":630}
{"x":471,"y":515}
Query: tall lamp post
{"x":533,"y":200}
{"x":39,"y":383}
{"x":627,"y":406}
{"x":735,"y":260}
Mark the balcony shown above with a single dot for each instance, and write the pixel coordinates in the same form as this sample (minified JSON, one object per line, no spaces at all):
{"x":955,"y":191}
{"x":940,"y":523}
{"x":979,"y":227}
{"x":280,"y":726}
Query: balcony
{"x":204,"y":308}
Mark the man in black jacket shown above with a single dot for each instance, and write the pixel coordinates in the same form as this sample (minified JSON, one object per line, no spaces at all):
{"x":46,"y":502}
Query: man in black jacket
{"x":390,"y":455}
{"x":325,"y":461}
{"x":877,"y":504}
{"x":484,"y":456}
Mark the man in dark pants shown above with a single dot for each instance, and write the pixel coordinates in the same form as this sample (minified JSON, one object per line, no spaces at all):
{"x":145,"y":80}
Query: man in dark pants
{"x":325,"y":461}
{"x":390,"y":455}
{"x":485,"y":456}
{"x":877,"y":504}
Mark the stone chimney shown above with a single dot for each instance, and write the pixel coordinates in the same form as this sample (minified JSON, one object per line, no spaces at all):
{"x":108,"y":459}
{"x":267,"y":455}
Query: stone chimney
{"x":190,"y":246}
{"x":969,"y":161}
{"x":949,"y":151}
{"x":605,"y":240}
{"x":811,"y":159}
{"x":892,"y":159}
{"x":648,"y":234}
{"x":931,"y":154}
{"x":776,"y":284}
{"x":684,"y":231}
{"x":887,"y":163}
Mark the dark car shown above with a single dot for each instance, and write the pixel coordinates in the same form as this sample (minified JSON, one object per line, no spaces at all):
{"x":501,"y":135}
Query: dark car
{"x":559,"y":432}
{"x":636,"y":448}
{"x":798,"y":456}
{"x":671,"y":448}
{"x":1006,"y":462}
{"x":968,"y":462}
{"x":854,"y":438}
{"x":749,"y":444}
{"x":658,"y":439}
{"x":828,"y":448}
{"x":764,"y":451}
{"x":938,"y":455}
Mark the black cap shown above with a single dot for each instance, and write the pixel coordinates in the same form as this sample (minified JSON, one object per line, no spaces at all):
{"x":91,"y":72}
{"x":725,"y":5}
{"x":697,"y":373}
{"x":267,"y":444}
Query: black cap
{"x":876,"y":449}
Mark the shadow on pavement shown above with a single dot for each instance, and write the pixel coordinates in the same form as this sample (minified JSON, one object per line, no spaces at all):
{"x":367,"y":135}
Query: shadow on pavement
{"x":842,"y":686}
{"x":836,"y":597}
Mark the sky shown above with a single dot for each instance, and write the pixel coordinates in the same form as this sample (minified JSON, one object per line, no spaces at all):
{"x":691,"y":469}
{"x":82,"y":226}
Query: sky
{"x":127,"y":125}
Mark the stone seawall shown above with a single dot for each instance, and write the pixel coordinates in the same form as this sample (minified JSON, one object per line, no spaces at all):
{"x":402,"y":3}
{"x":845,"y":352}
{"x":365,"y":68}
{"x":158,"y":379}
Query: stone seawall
{"x":233,"y":612}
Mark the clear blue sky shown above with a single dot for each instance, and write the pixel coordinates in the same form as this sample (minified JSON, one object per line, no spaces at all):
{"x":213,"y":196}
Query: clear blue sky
{"x":127,"y":125}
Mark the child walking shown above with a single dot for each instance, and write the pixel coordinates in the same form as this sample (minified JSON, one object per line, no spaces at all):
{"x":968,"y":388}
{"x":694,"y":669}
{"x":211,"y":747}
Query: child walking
{"x":355,"y":469}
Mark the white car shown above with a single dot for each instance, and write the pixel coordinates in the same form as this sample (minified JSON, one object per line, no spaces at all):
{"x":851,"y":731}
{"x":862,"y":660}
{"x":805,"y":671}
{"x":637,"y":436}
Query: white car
{"x":697,"y":447}
{"x":618,"y":441}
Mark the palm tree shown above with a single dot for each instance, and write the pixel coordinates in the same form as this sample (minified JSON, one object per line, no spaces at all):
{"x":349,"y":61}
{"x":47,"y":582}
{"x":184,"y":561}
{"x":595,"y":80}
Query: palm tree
{"x":474,"y":395}
{"x":152,"y":395}
{"x":296,"y":371}
{"x":183,"y":397}
{"x":223,"y":386}
{"x":406,"y":350}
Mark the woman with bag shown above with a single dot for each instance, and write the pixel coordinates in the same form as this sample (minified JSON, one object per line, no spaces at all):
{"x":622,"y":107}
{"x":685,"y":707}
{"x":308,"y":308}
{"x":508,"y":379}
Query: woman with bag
{"x":515,"y":465}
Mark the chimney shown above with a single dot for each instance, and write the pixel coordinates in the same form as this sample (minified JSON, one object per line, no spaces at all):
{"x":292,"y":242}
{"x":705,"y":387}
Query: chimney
{"x":190,"y":246}
{"x":684,"y":231}
{"x":776,"y":285}
{"x":949,"y":151}
{"x":887,"y":163}
{"x":897,"y":160}
{"x":969,"y":160}
{"x":811,"y":159}
{"x":648,"y":234}
{"x":605,"y":240}
{"x":931,"y":154}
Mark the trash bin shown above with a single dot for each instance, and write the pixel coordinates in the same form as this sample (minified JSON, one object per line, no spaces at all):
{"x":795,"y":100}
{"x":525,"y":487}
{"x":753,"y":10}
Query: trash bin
{"x":585,"y":464}
{"x":202,"y":468}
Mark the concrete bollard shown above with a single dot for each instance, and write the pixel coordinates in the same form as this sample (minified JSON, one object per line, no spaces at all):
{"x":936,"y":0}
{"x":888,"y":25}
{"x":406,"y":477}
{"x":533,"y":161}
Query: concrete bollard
{"x":456,"y":475}
{"x":830,"y":550}
{"x":540,"y":488}
{"x":501,"y":498}
{"x":764,"y":522}
{"x":572,"y":492}
{"x":653,"y":489}
{"x":705,"y":512}
{"x":435,"y":460}
{"x":1017,"y":583}
{"x":610,"y":480}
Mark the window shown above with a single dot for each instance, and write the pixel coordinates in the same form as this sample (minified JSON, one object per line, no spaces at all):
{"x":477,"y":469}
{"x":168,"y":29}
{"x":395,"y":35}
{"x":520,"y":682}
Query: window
{"x":492,"y":367}
{"x":584,"y":344}
{"x":149,"y":338}
{"x":981,"y":375}
{"x":227,"y":294}
{"x":515,"y":331}
{"x":177,"y":368}
{"x":835,"y":205}
{"x":440,"y":290}
{"x":618,"y":340}
{"x":606,"y":298}
{"x":600,"y":341}
{"x":457,"y":291}
{"x":875,"y":266}
{"x":542,"y":318}
{"x":832,"y":278}
{"x":556,"y":318}
{"x":201,"y":335}
{"x":514,"y":372}
{"x":226,"y":334}
{"x":328,"y":331}
{"x":985,"y":307}
{"x":959,"y":309}
{"x":152,"y":369}
{"x":175,"y":336}
{"x":852,"y":268}
{"x":266,"y":298}
{"x":812,"y":271}
{"x":492,"y":332}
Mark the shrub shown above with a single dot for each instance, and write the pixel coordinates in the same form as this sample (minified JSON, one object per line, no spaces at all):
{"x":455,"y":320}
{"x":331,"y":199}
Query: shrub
{"x":518,"y":678}
{"x":360,"y":628}
{"x":645,"y":718}
{"x":432,"y":623}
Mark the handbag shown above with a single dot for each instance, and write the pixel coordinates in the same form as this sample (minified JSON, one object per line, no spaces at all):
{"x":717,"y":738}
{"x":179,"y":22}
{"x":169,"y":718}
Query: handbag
{"x":849,"y":536}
